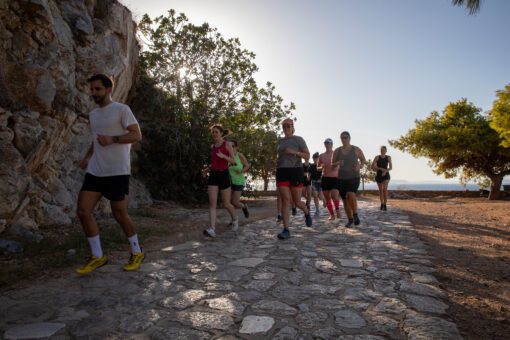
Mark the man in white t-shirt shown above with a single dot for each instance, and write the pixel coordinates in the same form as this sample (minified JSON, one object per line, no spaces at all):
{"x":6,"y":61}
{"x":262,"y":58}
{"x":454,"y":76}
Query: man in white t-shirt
{"x":108,"y":166}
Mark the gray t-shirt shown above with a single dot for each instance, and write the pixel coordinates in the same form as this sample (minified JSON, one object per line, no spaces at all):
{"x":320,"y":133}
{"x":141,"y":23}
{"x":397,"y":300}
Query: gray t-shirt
{"x":290,"y":161}
{"x":350,"y":167}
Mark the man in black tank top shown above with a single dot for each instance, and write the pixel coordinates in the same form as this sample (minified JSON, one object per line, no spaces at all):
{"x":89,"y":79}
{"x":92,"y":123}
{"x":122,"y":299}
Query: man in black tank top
{"x":349,"y":158}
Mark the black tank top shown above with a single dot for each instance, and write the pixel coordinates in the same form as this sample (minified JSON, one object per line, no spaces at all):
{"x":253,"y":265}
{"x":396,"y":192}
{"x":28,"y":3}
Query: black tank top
{"x":315,"y":174}
{"x":382,"y":162}
{"x":350,"y":168}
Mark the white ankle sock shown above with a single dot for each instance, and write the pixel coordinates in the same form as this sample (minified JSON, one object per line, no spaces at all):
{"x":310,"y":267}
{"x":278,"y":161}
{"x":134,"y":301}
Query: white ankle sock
{"x":135,"y":246}
{"x":95,"y":246}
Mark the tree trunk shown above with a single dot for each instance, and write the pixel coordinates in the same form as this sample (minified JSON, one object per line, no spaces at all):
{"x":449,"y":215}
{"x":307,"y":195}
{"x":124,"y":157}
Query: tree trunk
{"x":266,"y":183}
{"x":495,"y":187}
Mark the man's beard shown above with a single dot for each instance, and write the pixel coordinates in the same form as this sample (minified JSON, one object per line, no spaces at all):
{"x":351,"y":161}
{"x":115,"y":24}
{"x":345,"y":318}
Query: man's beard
{"x":99,"y":99}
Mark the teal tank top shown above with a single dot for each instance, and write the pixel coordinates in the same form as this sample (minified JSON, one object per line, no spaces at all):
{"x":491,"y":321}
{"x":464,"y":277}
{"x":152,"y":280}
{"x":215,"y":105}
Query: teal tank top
{"x":237,"y":179}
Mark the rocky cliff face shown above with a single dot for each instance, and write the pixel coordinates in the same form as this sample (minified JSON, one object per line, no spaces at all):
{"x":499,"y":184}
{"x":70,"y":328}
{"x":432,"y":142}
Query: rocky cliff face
{"x":48,"y":49}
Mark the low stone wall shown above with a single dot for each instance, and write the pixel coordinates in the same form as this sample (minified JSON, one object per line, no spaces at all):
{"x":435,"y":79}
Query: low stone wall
{"x":399,"y":194}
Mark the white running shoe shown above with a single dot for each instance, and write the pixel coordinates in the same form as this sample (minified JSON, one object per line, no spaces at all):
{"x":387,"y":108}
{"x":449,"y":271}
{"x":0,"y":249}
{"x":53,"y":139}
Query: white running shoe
{"x":235,"y":224}
{"x":210,"y":232}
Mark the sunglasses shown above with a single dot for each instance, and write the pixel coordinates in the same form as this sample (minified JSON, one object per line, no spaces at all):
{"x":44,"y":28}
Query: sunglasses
{"x":344,"y":137}
{"x":287,"y":126}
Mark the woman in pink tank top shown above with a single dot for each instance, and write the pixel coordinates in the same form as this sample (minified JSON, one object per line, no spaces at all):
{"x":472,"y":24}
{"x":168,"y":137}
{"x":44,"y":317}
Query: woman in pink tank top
{"x":219,"y":178}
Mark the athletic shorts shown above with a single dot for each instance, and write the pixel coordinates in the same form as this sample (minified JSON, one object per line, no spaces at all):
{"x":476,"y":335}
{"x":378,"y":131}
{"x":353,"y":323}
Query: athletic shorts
{"x":113,"y":188}
{"x":237,"y":187}
{"x":316,"y":185}
{"x":329,"y":183}
{"x":220,"y":179}
{"x":380,"y":179}
{"x":289,"y":177}
{"x":307,"y":182}
{"x":348,"y":185}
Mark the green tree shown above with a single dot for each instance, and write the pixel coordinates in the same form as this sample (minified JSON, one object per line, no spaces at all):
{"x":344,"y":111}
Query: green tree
{"x":472,"y":5}
{"x":367,"y":174}
{"x":190,"y":77}
{"x":459,"y":141}
{"x":500,"y":115}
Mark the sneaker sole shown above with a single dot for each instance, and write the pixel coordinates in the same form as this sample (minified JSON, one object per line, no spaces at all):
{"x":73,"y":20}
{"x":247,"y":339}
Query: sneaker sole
{"x":207,"y":234}
{"x":87,"y":273}
{"x":132,"y":270}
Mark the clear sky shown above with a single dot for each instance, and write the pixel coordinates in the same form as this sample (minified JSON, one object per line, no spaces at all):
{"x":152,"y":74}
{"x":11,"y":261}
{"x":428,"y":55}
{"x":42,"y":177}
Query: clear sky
{"x":370,"y":67}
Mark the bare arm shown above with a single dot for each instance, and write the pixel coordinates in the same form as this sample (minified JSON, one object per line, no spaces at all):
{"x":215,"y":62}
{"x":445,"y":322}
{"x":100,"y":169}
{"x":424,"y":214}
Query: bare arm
{"x":390,"y":164}
{"x":231,"y":158}
{"x":374,"y":163}
{"x":361,"y":156}
{"x":132,"y":136}
{"x":319,"y":164}
{"x":305,"y":154}
{"x":244,"y":161}
{"x":85,"y":161}
{"x":334,"y":162}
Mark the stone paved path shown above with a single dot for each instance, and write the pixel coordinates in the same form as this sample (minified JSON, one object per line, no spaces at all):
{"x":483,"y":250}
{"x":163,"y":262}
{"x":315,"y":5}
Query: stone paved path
{"x":375,"y":281}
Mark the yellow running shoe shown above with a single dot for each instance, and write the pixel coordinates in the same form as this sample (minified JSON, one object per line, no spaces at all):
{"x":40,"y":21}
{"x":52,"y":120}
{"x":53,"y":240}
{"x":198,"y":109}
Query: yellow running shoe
{"x":92,"y":264}
{"x":135,"y":261}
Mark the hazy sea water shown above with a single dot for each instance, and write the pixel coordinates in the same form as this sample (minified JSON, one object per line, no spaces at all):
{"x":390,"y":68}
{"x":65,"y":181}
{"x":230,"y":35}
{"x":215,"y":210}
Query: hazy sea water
{"x":426,"y":186}
{"x":401,"y":185}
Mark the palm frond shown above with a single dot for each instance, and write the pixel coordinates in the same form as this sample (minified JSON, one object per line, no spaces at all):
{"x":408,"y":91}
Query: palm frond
{"x":472,"y":5}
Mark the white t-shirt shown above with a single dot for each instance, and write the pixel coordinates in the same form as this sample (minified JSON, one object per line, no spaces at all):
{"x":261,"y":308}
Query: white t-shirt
{"x":113,"y":159}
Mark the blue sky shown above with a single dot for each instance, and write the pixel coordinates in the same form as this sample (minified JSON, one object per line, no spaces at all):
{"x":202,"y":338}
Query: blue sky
{"x":370,"y":67}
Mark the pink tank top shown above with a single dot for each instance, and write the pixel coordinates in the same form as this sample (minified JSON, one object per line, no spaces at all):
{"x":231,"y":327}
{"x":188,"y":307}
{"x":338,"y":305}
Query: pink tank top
{"x":327,"y":169}
{"x":217,"y":163}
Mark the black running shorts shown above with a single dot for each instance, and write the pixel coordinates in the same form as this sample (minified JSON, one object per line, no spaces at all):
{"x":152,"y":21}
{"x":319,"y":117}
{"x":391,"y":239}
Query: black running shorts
{"x":380,"y":179}
{"x":220,"y":179}
{"x":237,"y":187}
{"x":329,"y":183}
{"x":348,"y":185}
{"x":290,"y":177}
{"x":114,"y":188}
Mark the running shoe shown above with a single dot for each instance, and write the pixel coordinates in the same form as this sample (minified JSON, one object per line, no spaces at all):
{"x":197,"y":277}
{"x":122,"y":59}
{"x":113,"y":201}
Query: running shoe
{"x":210,"y":232}
{"x":284,"y":234}
{"x":337,"y":213}
{"x":382,"y":207}
{"x":235,"y":224}
{"x":279,"y":218}
{"x":317,"y":212}
{"x":245,"y":211}
{"x":356,"y":219}
{"x":92,"y":264}
{"x":385,"y":208}
{"x":308,"y":220}
{"x":349,"y":223}
{"x":135,"y":261}
{"x":331,"y":217}
{"x":294,"y":211}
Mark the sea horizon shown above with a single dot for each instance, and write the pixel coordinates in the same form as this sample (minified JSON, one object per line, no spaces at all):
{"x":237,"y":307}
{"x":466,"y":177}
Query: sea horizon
{"x":403,"y":185}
